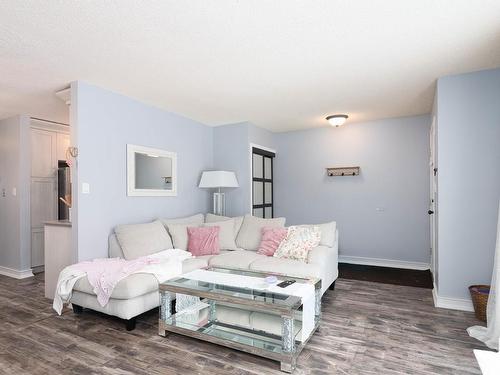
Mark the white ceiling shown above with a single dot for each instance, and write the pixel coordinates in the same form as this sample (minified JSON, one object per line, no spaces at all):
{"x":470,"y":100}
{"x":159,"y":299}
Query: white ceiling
{"x":281,"y":64}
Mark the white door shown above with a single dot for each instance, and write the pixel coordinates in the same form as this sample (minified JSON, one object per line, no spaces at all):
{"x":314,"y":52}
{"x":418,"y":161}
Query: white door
{"x":433,"y":198}
{"x":43,"y":153}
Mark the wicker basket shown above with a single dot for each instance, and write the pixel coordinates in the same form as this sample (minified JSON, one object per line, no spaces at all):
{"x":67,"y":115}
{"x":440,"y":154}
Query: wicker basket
{"x":479,"y":295}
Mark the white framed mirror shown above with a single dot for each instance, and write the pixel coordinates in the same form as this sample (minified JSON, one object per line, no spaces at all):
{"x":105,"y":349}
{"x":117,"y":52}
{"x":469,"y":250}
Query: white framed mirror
{"x":151,"y":172}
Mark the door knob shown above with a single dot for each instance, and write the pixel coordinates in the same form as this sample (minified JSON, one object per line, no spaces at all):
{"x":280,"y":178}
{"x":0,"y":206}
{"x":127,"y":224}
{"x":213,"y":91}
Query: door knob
{"x":430,"y":212}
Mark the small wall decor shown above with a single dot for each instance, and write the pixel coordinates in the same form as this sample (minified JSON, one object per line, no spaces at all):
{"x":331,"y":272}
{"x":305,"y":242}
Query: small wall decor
{"x":342,"y":171}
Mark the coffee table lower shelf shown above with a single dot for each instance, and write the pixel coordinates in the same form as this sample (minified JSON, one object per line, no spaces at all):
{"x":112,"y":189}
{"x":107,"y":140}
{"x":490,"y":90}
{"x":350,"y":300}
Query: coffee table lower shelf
{"x":247,"y":340}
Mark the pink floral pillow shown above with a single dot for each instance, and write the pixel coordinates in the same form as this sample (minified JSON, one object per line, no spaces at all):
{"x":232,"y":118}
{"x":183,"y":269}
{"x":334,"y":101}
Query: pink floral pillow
{"x":299,"y":241}
{"x":203,"y":240}
{"x":271,"y":239}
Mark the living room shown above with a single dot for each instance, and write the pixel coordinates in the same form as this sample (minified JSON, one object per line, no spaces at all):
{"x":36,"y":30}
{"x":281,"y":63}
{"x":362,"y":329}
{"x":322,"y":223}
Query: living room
{"x":371,"y":130}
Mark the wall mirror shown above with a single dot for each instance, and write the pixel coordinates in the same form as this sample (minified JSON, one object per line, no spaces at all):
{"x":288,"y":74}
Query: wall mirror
{"x":151,"y":172}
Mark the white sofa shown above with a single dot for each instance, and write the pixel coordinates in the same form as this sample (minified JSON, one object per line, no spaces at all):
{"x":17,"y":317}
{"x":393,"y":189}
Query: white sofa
{"x":138,"y":293}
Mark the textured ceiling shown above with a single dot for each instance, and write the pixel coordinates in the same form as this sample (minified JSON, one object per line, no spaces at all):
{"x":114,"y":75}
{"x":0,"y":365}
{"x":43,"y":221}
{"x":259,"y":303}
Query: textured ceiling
{"x":281,"y":64}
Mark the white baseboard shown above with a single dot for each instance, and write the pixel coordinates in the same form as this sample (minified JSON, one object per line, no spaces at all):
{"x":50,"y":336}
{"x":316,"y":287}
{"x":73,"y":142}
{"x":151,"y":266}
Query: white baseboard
{"x":384,"y":262}
{"x":461,"y":304}
{"x":16,"y":274}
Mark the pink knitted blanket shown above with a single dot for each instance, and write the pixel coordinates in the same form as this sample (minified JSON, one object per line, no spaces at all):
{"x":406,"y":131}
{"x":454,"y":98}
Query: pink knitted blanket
{"x":104,"y":274}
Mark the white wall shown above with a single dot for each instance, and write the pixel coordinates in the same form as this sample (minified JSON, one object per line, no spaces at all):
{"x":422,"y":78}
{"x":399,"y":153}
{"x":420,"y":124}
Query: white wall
{"x":103,"y":123}
{"x":468,"y":133}
{"x":15,"y":243}
{"x":232,"y":152}
{"x":393,"y":155}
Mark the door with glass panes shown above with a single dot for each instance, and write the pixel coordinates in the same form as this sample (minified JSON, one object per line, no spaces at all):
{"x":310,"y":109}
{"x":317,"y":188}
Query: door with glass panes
{"x":262,"y":183}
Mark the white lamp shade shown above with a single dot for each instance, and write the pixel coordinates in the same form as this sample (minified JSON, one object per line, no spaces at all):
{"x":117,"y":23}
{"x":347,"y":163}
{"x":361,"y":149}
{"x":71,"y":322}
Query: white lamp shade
{"x":218,"y":179}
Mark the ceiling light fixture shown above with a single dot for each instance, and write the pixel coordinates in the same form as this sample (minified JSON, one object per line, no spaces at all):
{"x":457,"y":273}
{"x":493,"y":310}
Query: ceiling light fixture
{"x":336,"y":120}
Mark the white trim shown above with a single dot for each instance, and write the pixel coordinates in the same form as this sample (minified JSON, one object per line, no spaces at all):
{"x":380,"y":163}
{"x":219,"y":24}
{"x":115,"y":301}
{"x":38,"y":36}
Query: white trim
{"x":461,"y":304}
{"x":131,"y":190}
{"x":16,"y":274}
{"x":250,"y":147}
{"x":384,"y":262}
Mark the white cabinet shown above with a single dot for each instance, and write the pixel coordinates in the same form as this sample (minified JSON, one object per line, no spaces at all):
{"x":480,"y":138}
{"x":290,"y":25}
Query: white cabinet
{"x":43,"y":201}
{"x":62,"y":145}
{"x":43,"y":153}
{"x":47,"y":147}
{"x":57,"y":254}
{"x":37,"y":247}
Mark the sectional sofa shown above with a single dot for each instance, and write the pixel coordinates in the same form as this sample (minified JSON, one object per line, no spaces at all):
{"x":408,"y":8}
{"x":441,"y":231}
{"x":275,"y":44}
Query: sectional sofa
{"x":138,"y":293}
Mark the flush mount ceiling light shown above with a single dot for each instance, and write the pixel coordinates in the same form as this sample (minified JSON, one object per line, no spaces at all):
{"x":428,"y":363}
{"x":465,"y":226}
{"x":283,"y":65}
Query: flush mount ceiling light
{"x":336,"y":120}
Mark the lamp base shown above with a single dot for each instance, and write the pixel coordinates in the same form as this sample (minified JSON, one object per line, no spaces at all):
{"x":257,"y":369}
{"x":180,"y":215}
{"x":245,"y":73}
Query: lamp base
{"x":219,"y":204}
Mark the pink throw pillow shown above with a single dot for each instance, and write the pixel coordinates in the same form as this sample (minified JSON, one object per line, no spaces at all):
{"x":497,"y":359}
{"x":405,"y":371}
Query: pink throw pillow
{"x":271,"y":239}
{"x":203,"y":240}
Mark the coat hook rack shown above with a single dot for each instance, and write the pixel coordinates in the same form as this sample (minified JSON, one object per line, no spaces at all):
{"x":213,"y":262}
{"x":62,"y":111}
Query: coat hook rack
{"x":342,"y":171}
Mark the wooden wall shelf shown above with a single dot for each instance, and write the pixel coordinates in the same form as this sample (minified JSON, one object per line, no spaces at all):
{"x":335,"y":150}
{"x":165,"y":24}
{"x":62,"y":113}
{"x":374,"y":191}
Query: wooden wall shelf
{"x":342,"y":171}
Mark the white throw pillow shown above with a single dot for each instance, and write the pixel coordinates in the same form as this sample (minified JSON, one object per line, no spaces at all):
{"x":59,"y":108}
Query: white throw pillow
{"x":238,"y":220}
{"x":195,"y":220}
{"x":137,"y":240}
{"x":250,"y":233}
{"x":226,"y":234}
{"x":179,"y":234}
{"x":298,"y":242}
{"x":328,"y":232}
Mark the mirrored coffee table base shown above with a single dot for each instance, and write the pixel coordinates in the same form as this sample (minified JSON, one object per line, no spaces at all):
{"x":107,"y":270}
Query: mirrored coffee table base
{"x":207,"y":320}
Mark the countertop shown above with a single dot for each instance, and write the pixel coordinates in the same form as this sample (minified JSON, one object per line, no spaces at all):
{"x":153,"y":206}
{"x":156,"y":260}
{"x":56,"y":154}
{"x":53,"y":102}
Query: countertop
{"x":62,"y":223}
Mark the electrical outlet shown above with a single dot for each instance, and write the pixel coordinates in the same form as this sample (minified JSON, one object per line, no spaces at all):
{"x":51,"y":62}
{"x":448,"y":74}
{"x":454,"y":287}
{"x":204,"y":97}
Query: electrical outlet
{"x":380,"y":209}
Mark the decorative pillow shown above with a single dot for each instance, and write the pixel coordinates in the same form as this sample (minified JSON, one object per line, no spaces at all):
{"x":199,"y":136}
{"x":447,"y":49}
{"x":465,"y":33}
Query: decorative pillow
{"x":226,"y":234}
{"x":250,"y":233}
{"x":238,"y":220}
{"x":203,"y":240}
{"x":193,"y":220}
{"x":179,"y":235}
{"x":137,"y":240}
{"x":328,"y":232}
{"x":271,"y":239}
{"x":298,"y":242}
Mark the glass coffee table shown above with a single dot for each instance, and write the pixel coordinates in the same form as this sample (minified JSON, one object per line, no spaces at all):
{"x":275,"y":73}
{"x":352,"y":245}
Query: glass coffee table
{"x":255,"y":320}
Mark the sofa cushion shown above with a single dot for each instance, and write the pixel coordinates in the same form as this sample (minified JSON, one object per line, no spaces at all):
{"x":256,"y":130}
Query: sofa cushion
{"x":238,"y":220}
{"x":226,"y":233}
{"x":194,"y":220}
{"x":287,"y":267}
{"x":328,"y":232}
{"x":235,"y":259}
{"x":137,"y":240}
{"x":251,"y":231}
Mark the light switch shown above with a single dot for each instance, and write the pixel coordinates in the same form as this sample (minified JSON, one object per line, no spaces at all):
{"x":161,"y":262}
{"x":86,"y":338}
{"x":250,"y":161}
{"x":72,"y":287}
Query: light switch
{"x":380,"y":209}
{"x":85,"y":188}
{"x":14,"y":191}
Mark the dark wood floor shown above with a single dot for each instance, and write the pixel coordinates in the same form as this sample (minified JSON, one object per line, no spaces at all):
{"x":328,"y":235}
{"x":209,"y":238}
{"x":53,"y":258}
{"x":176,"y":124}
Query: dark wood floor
{"x":386,"y":275}
{"x":368,"y":328}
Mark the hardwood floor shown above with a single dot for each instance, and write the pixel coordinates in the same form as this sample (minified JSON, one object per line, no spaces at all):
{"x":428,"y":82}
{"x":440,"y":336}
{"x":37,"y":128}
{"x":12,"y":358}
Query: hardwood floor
{"x":386,"y":275}
{"x":368,"y":328}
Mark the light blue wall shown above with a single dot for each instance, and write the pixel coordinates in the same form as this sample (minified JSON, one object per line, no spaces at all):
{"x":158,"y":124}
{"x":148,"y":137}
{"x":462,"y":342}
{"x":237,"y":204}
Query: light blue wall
{"x":103,"y":124}
{"x":232,"y":152}
{"x":15,"y":172}
{"x":468,"y":124}
{"x":393,"y":156}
